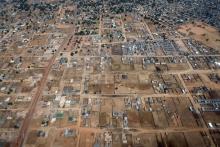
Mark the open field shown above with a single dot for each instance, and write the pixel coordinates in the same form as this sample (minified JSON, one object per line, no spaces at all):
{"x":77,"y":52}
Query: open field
{"x":203,"y":33}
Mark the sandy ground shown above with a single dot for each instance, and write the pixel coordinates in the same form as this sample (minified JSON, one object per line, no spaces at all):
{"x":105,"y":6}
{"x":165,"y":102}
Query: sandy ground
{"x":203,"y":33}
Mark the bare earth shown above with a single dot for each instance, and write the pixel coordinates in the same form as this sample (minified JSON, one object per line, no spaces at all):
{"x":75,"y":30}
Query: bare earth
{"x":202,"y":32}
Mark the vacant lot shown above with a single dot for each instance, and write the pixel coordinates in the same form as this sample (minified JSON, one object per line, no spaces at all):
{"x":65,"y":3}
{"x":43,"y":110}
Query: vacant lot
{"x":202,"y":33}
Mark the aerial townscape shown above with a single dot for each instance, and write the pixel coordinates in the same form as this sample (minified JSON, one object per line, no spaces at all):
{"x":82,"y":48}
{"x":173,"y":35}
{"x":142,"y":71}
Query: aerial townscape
{"x":109,"y":73}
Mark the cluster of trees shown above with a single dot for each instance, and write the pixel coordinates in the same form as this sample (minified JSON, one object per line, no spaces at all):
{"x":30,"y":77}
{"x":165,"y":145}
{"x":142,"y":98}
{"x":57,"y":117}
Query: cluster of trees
{"x":24,"y":5}
{"x":44,"y":6}
{"x":86,"y":32}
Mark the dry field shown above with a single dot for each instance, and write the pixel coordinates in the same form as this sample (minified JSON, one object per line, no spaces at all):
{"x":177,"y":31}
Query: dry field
{"x":202,"y":32}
